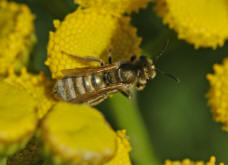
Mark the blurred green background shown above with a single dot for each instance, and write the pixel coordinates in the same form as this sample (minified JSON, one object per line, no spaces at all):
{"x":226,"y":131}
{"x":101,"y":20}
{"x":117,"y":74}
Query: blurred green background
{"x":176,"y":116}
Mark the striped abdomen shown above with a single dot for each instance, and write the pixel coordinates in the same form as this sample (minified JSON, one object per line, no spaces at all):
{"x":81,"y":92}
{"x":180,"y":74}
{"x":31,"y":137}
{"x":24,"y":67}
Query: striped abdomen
{"x":71,"y":89}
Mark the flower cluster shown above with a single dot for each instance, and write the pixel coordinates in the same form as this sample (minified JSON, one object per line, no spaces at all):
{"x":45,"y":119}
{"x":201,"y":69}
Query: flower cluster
{"x":69,"y":133}
{"x":74,"y":134}
{"x":78,"y":134}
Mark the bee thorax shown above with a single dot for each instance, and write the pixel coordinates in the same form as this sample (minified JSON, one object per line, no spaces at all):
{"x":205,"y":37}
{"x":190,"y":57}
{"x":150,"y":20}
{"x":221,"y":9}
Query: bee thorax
{"x":128,"y":76}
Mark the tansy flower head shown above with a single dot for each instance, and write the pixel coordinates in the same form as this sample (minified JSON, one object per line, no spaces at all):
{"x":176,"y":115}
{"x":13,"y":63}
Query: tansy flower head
{"x":78,"y":134}
{"x":189,"y":162}
{"x":90,"y":32}
{"x":18,"y":118}
{"x":115,"y":6}
{"x":38,"y":86}
{"x":16,"y":35}
{"x":24,"y":99}
{"x":200,"y":22}
{"x":123,"y":148}
{"x":218,"y":93}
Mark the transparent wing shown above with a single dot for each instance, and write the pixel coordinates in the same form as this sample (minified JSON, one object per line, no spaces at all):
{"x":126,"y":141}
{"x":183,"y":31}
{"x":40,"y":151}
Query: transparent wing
{"x":107,"y":90}
{"x":88,"y":70}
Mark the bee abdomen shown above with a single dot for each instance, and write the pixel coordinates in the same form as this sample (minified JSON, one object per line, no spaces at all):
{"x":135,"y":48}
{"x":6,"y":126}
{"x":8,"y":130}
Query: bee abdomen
{"x":97,"y":81}
{"x":65,"y":89}
{"x":71,"y":88}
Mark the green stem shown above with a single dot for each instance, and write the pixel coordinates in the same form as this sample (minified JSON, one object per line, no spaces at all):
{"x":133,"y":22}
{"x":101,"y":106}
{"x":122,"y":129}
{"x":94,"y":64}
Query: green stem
{"x":3,"y":160}
{"x":127,"y":116}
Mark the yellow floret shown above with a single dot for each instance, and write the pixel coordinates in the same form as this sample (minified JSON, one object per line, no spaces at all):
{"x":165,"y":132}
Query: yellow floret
{"x":202,"y":23}
{"x":189,"y":162}
{"x":115,"y":6}
{"x":18,"y":118}
{"x":123,"y":148}
{"x":90,"y":32}
{"x":77,"y":134}
{"x":16,"y":35}
{"x":38,"y":86}
{"x":218,"y":93}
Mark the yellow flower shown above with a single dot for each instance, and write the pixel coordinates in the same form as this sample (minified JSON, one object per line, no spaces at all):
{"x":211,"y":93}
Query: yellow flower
{"x":218,"y":93}
{"x":200,"y":22}
{"x":90,"y":32}
{"x":16,"y":35}
{"x":77,"y":134}
{"x":123,"y":148}
{"x":189,"y":162}
{"x":38,"y":86}
{"x":24,"y":99}
{"x":115,"y":6}
{"x":18,"y":118}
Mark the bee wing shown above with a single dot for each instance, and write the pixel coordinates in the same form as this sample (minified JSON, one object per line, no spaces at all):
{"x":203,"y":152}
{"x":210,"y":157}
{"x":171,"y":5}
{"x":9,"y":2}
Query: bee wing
{"x":99,"y":92}
{"x":88,"y":70}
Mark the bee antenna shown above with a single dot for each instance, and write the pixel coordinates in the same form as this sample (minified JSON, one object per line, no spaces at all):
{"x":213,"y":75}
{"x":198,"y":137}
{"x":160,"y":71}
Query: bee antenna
{"x":162,"y":51}
{"x":169,"y":75}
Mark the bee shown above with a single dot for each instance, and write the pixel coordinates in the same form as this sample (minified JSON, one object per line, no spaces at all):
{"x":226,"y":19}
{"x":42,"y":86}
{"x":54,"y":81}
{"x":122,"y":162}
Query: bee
{"x":92,"y":85}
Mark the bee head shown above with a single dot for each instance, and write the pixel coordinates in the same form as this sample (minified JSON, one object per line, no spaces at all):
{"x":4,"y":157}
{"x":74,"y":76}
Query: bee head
{"x":146,"y":71}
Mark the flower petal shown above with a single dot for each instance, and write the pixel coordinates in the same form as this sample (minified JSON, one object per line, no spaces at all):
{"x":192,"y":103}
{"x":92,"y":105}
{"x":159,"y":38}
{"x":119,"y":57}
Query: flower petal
{"x":218,"y":93}
{"x":200,"y":22}
{"x":90,"y":32}
{"x":77,"y":134}
{"x":18,"y":118}
{"x":17,"y":35}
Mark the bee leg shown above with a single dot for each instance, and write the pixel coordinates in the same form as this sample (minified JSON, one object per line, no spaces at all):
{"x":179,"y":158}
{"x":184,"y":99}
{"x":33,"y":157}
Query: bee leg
{"x":93,"y":59}
{"x":126,"y":93}
{"x":110,"y":56}
{"x":133,"y":58}
{"x":86,"y":58}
